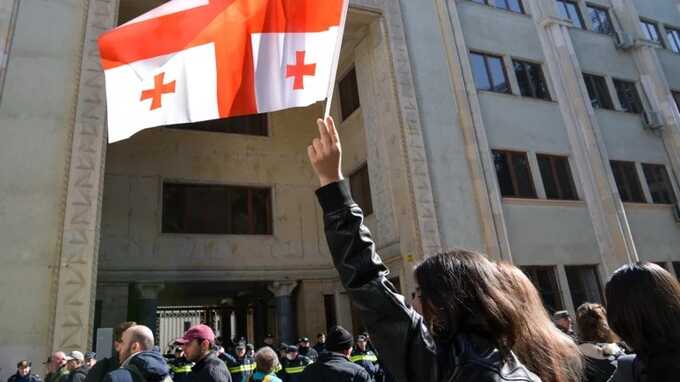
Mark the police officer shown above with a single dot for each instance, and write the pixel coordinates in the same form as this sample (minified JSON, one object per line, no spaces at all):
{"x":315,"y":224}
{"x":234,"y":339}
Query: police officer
{"x":305,"y":349}
{"x":293,"y":365}
{"x":24,"y":373}
{"x":366,"y":358}
{"x":241,"y":366}
{"x":180,"y":367}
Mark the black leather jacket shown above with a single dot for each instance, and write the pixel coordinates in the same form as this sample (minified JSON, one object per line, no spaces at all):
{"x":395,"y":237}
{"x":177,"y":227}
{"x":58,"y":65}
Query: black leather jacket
{"x":406,"y":347}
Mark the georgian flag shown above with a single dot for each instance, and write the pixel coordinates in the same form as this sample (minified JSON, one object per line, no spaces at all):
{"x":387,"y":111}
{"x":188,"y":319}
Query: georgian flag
{"x":196,"y":60}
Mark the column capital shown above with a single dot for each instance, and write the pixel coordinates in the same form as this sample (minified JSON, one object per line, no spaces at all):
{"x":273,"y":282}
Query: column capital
{"x":282,"y":288}
{"x":149,"y":291}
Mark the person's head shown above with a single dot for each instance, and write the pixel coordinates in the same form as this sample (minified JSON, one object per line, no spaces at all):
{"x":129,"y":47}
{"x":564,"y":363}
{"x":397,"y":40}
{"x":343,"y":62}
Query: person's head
{"x":74,"y":360}
{"x":269,"y":340}
{"x":58,"y":359}
{"x":304,"y":342}
{"x":361,"y":342}
{"x":266,"y":360}
{"x":250,"y":350}
{"x":197,"y":342}
{"x":460,"y":291}
{"x":563,"y":320}
{"x":240,"y":350}
{"x":339,"y":341}
{"x":118,"y":334}
{"x":292,"y":352}
{"x":321,"y":338}
{"x":136,"y":339}
{"x":90,"y":359}
{"x":643,"y":307}
{"x":24,"y":368}
{"x":592,"y":325}
{"x":540,"y":345}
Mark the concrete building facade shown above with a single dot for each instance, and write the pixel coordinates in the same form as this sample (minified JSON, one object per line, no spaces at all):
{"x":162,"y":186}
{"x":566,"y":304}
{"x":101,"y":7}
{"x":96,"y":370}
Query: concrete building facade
{"x":541,"y":132}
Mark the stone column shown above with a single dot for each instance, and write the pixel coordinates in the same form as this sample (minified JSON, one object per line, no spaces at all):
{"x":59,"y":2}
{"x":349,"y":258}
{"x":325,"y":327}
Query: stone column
{"x":147,"y":302}
{"x":260,"y":320}
{"x":282,"y":291}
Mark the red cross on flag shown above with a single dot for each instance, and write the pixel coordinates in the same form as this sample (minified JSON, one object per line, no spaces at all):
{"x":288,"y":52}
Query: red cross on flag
{"x":196,"y":60}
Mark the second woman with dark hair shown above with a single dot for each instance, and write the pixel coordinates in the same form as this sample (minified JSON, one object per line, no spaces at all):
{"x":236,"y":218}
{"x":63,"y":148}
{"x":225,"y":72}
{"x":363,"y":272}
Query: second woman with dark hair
{"x":469,"y":323}
{"x":598,"y":343}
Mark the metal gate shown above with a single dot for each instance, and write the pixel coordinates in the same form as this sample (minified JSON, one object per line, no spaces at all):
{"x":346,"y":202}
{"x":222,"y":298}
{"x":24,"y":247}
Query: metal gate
{"x":173,"y":321}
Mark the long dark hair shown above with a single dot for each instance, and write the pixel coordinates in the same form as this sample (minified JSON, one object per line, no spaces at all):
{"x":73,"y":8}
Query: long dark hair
{"x":461,"y":292}
{"x":542,"y":347}
{"x":643,"y":305}
{"x":592,"y":325}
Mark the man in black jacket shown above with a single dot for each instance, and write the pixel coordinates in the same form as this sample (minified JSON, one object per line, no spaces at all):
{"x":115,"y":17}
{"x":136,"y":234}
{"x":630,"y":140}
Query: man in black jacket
{"x":23,"y":373}
{"x":198,"y":343}
{"x":140,"y":362}
{"x":107,"y":365}
{"x":334,"y":364}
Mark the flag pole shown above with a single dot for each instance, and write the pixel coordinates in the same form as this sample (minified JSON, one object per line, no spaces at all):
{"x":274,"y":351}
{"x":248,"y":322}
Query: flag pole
{"x":336,"y":59}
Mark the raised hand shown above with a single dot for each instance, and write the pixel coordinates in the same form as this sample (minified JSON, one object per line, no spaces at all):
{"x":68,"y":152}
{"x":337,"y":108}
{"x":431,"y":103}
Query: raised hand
{"x":325,"y":153}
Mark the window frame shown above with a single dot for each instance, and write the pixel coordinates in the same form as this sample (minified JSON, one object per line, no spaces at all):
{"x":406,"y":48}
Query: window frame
{"x":532,"y":273}
{"x":514,"y":178}
{"x":489,"y":3}
{"x":600,"y":10}
{"x":559,"y":184}
{"x":591,"y":269}
{"x":229,"y":126}
{"x":645,"y":25}
{"x":228,"y":189}
{"x":637,"y":106}
{"x":667,"y":183}
{"x":487,"y":70}
{"x":579,"y":16}
{"x":356,"y":98}
{"x":593,"y":80}
{"x":532,"y":85}
{"x":367,"y":209}
{"x":673,"y":36}
{"x":627,"y":194}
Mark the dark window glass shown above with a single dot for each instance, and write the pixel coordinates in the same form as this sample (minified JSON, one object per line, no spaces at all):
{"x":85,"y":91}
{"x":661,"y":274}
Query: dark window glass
{"x":600,"y":20}
{"x":650,"y":31}
{"x":531,"y":80}
{"x":659,"y":183}
{"x":514,"y":175}
{"x":360,"y":186}
{"x":673,"y":39}
{"x":584,"y":284}
{"x":210,"y":209}
{"x":598,"y":92}
{"x":545,"y":280}
{"x":628,"y":96}
{"x":627,"y":181}
{"x":676,"y":96}
{"x":510,"y":5}
{"x":247,"y":125}
{"x":557,"y":178}
{"x":349,"y":94}
{"x":329,"y":309}
{"x":489,"y":73}
{"x":568,"y":10}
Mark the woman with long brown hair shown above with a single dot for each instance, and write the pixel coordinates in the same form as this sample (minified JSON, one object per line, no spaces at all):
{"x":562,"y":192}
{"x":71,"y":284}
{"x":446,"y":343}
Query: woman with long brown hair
{"x":643,"y":305}
{"x":541,"y":346}
{"x":469,"y":322}
{"x":598,"y":343}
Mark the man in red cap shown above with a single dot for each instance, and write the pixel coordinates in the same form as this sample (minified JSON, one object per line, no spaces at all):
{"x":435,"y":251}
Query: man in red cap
{"x":198,"y":344}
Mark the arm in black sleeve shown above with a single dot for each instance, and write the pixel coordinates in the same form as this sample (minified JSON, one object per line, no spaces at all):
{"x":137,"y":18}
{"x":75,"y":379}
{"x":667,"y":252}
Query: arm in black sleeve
{"x":398,"y":332}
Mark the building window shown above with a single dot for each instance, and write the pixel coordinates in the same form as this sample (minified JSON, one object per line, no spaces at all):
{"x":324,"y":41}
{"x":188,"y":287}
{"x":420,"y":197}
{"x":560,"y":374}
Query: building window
{"x":627,"y":181}
{"x":510,"y":5}
{"x":673,"y":39}
{"x":489,"y":73}
{"x":531,"y":80}
{"x":349,"y":94}
{"x":568,"y":10}
{"x":584,"y":284}
{"x":514,"y":174}
{"x":628,"y":96}
{"x":599,"y":20}
{"x":360,"y":186}
{"x":330,"y":312}
{"x":221,"y":210}
{"x":246,"y":125}
{"x":659,"y":183}
{"x":598,"y":92}
{"x":545,"y":281}
{"x":557,"y":179}
{"x":650,"y":31}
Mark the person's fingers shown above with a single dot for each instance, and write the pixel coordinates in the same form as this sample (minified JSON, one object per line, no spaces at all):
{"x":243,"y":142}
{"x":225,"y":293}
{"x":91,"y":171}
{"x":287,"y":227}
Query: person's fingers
{"x":323,"y":132}
{"x":311,"y":153}
{"x":318,"y":147}
{"x":332,"y":131}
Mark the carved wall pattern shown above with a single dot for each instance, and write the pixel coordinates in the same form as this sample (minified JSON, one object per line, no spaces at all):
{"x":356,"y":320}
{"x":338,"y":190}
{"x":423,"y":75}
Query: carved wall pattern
{"x":75,"y":292}
{"x":8,"y":14}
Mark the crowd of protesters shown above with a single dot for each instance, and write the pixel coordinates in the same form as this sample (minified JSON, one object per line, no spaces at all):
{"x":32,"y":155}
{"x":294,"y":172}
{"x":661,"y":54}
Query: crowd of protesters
{"x":470,"y":319}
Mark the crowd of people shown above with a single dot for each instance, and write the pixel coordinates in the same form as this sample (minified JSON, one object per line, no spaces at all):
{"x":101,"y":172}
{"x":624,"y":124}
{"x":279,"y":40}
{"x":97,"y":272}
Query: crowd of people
{"x":470,"y":319}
